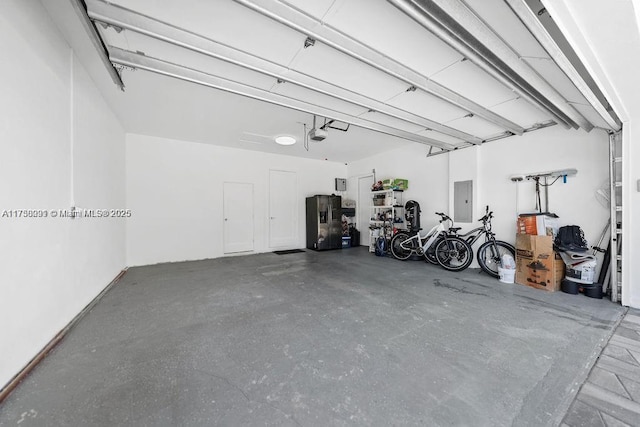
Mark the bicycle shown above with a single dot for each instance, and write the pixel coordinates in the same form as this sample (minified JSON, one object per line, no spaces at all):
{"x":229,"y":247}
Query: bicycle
{"x":490,"y":252}
{"x":453,"y":253}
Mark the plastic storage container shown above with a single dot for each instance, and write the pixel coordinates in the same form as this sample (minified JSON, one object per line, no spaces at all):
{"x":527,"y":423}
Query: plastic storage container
{"x":507,"y":272}
{"x":570,"y":287}
{"x":583,"y":272}
{"x":507,"y":275}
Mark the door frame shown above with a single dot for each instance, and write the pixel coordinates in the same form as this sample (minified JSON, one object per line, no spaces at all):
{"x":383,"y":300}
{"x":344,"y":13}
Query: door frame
{"x":296,"y":225}
{"x":363,"y":228}
{"x":253,"y":218}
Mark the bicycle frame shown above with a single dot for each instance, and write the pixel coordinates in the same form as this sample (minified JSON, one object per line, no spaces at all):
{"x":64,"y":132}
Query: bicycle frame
{"x":491,"y":249}
{"x":428,"y":239}
{"x":455,"y":255}
{"x":432,"y":235}
{"x":472,"y":236}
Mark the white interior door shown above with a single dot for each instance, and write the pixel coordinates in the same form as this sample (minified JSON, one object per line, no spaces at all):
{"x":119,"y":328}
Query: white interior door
{"x":238,"y":217}
{"x":283,"y":209}
{"x":363,"y":208}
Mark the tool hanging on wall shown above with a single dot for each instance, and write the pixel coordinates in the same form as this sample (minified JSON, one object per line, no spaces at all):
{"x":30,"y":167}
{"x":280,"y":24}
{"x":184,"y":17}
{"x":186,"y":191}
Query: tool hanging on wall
{"x":517,"y":179}
{"x":538,"y":203}
{"x":542,"y":180}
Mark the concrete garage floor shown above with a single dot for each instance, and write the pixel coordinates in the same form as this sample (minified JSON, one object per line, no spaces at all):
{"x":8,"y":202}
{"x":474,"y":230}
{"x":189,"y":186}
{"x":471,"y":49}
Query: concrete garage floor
{"x":331,"y":338}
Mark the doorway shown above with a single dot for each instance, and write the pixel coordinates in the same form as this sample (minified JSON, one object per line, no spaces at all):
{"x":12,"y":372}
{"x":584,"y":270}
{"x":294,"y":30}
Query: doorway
{"x":283,"y":209}
{"x":363,"y":207}
{"x":238,"y":217}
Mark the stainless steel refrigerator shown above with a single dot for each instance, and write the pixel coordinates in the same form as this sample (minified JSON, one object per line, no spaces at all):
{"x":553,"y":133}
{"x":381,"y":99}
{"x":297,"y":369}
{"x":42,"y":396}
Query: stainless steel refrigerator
{"x":324,"y":222}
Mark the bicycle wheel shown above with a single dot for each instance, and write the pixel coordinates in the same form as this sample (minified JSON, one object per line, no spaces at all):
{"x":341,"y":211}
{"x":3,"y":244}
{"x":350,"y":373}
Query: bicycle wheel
{"x":490,"y":256}
{"x":430,"y":254}
{"x":397,"y":249}
{"x":454,"y":254}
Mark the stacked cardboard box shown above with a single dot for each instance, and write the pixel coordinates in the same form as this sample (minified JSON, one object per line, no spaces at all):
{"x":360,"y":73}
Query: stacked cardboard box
{"x":395,"y":184}
{"x":537,"y":264}
{"x":401,"y":184}
{"x":538,"y":224}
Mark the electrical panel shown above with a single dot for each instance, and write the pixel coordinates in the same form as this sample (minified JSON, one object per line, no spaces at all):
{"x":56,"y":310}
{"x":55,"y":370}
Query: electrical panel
{"x":341,"y":184}
{"x":463,"y":201}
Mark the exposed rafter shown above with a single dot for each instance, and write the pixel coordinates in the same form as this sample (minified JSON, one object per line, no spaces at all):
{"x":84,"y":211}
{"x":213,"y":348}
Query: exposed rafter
{"x":507,"y":134}
{"x":454,"y":23}
{"x":306,"y":24}
{"x":143,"y":62}
{"x":80,"y":10}
{"x":124,"y":18}
{"x":541,"y":33}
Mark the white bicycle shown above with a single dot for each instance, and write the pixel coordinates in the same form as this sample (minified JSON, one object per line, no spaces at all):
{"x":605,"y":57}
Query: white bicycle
{"x":451,"y":252}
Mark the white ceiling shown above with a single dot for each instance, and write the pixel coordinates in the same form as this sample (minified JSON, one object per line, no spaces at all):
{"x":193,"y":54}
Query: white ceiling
{"x":389,"y":89}
{"x":185,"y":111}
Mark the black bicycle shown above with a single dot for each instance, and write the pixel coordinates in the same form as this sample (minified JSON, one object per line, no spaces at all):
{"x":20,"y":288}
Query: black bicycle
{"x":451,"y":252}
{"x":489,"y":253}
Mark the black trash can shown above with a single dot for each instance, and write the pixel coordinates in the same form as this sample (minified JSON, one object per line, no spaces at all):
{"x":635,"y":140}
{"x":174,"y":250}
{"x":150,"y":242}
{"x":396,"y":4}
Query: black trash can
{"x":355,"y":236}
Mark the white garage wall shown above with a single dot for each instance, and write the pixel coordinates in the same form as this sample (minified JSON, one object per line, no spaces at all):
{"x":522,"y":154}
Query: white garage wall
{"x":607,"y":41}
{"x":57,"y":138}
{"x":428,"y":178}
{"x":175,"y":191}
{"x":464,"y":165}
{"x":631,"y":207}
{"x":544,"y":150}
{"x":491,"y":165}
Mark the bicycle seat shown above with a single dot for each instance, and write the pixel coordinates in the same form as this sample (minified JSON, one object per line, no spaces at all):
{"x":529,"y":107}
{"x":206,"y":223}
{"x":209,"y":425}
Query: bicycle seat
{"x":455,"y":229}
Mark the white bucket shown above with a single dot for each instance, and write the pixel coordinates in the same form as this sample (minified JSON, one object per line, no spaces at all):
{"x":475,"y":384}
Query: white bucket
{"x":507,"y":275}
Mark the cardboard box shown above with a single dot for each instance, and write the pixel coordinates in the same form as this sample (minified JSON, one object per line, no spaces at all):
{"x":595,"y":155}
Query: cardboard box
{"x":395,"y":184}
{"x":401,"y":184}
{"x":387,"y":184}
{"x":537,"y":264}
{"x":538,"y":225}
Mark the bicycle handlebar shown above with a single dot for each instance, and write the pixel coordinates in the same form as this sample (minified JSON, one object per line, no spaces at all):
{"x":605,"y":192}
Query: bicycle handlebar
{"x":444,"y":216}
{"x":488,"y":216}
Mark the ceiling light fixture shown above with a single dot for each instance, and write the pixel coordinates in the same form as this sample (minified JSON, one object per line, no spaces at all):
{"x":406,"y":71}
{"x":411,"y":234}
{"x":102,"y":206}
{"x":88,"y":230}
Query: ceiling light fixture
{"x":285,"y":140}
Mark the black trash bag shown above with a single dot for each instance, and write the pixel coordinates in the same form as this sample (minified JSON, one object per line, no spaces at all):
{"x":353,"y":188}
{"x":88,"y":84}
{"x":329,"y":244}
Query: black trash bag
{"x":412,"y":215}
{"x":571,"y":238}
{"x":381,"y":246}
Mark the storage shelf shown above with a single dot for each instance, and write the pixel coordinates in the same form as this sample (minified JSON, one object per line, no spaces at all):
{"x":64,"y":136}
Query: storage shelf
{"x":386,"y":227}
{"x":386,"y":191}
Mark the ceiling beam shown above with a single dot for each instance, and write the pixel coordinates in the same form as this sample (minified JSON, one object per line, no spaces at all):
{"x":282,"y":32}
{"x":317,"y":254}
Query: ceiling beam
{"x":143,"y":62}
{"x":541,"y":33}
{"x":88,"y":26}
{"x":124,"y":18}
{"x":576,"y":35}
{"x":318,"y":30}
{"x":535,"y":127}
{"x":454,"y":23}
